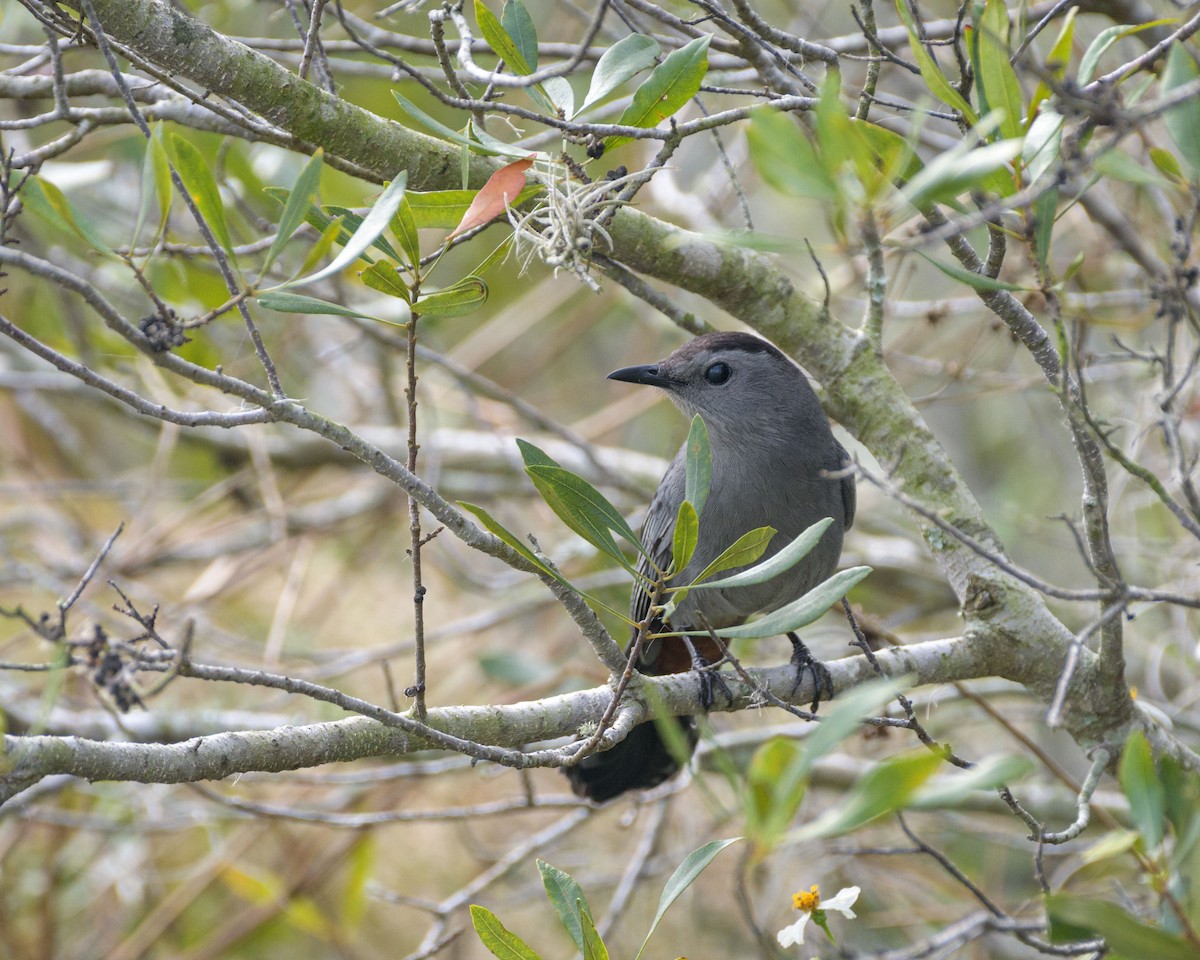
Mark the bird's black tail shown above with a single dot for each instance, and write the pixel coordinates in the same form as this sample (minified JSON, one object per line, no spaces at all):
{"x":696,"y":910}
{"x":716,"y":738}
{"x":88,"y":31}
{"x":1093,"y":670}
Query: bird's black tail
{"x":640,"y":761}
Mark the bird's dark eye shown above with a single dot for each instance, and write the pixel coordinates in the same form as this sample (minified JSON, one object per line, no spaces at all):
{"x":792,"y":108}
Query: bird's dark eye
{"x":717,"y":374}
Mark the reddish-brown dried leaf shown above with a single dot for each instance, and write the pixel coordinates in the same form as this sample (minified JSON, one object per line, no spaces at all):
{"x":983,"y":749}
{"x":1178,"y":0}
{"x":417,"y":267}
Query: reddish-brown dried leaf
{"x":502,"y":187}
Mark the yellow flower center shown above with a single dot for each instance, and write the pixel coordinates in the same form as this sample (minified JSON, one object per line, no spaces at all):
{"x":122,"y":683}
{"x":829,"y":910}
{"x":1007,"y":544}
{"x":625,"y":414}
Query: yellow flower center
{"x":808,"y":902}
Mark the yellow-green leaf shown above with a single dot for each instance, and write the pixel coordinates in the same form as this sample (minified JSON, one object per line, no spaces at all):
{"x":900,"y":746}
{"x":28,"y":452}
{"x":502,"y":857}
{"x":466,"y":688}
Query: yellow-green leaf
{"x":201,"y":187}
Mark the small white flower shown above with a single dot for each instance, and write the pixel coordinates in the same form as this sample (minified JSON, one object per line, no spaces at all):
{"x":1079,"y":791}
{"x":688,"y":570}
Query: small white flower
{"x":811,"y":906}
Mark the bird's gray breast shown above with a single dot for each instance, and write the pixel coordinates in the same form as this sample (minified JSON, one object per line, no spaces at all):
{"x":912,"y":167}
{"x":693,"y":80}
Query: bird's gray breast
{"x":759,"y":488}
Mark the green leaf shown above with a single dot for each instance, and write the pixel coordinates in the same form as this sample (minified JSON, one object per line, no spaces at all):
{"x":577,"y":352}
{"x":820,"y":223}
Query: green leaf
{"x":785,"y":158}
{"x":776,"y":782}
{"x":320,"y":250}
{"x":1043,"y":143}
{"x":577,"y":503}
{"x":1076,"y":918}
{"x":493,"y":526}
{"x":201,"y":186}
{"x":454,"y":136}
{"x":1141,"y":785}
{"x":352,"y":222}
{"x":1104,"y":40}
{"x":784,"y":560}
{"x":566,"y":896}
{"x":459,"y":299}
{"x":1166,"y":162}
{"x":382,"y":276}
{"x":593,"y":946}
{"x":685,"y":874}
{"x":778,"y":774}
{"x":931,"y":73}
{"x":501,"y":941}
{"x":687,"y":534}
{"x":999,"y":89}
{"x":299,"y":200}
{"x":959,"y":169}
{"x":884,"y":788}
{"x":156,"y":183}
{"x":746,"y":549}
{"x":560,"y":96}
{"x":626,"y":58}
{"x":976,"y":280}
{"x":1183,"y":120}
{"x":799,"y":613}
{"x":404,"y":228}
{"x":1045,"y":209}
{"x":296,"y":303}
{"x":1121,"y":166}
{"x":51,"y":204}
{"x":1056,"y":61}
{"x":498,"y":39}
{"x":672,"y":84}
{"x":373,"y":224}
{"x":894,"y":155}
{"x":697,"y":467}
{"x":444,"y":209}
{"x":518,"y":24}
{"x":957,"y":785}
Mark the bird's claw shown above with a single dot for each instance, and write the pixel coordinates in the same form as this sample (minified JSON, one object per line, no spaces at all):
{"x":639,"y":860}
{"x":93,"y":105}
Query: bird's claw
{"x":805,"y":662}
{"x":710,"y":682}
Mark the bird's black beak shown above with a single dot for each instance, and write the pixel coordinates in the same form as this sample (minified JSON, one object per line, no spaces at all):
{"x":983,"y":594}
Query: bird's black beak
{"x":647,"y":374}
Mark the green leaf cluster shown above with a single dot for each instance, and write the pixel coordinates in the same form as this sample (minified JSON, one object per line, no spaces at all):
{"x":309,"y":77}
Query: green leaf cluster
{"x":575,"y":914}
{"x":779,"y":773}
{"x":1164,"y":807}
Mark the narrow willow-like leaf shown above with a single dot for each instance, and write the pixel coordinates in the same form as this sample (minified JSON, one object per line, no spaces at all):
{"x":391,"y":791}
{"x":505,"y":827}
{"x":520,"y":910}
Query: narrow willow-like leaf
{"x":626,"y":58}
{"x":886,"y":787}
{"x":51,"y":204}
{"x":373,"y":224}
{"x":672,"y":84}
{"x":453,"y":136}
{"x":285,"y":302}
{"x":999,"y":88}
{"x":519,"y":25}
{"x":976,"y":280}
{"x":593,"y":946}
{"x":746,"y":549}
{"x":687,"y":534}
{"x":582,"y":508}
{"x":299,"y":200}
{"x":1142,"y":787}
{"x":1183,"y":120}
{"x":1079,"y":918}
{"x":784,"y":560}
{"x":931,"y":73}
{"x":495,"y":527}
{"x":952,"y":790}
{"x":685,"y":874}
{"x":501,"y":941}
{"x":1105,"y":39}
{"x":498,"y":39}
{"x":785,"y":158}
{"x":382,"y":276}
{"x":948,"y":175}
{"x":156,"y":184}
{"x":697,"y":467}
{"x":799,"y":613}
{"x":566,"y":896}
{"x":459,"y":299}
{"x":201,"y":186}
{"x":404,"y":228}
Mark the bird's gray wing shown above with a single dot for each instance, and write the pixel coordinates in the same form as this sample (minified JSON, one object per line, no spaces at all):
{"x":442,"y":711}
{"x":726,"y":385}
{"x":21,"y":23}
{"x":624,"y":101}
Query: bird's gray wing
{"x":849,"y":494}
{"x":658,"y":533}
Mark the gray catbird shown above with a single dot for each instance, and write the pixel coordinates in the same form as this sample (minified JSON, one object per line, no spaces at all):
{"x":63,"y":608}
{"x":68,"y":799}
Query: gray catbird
{"x":775,"y":463}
